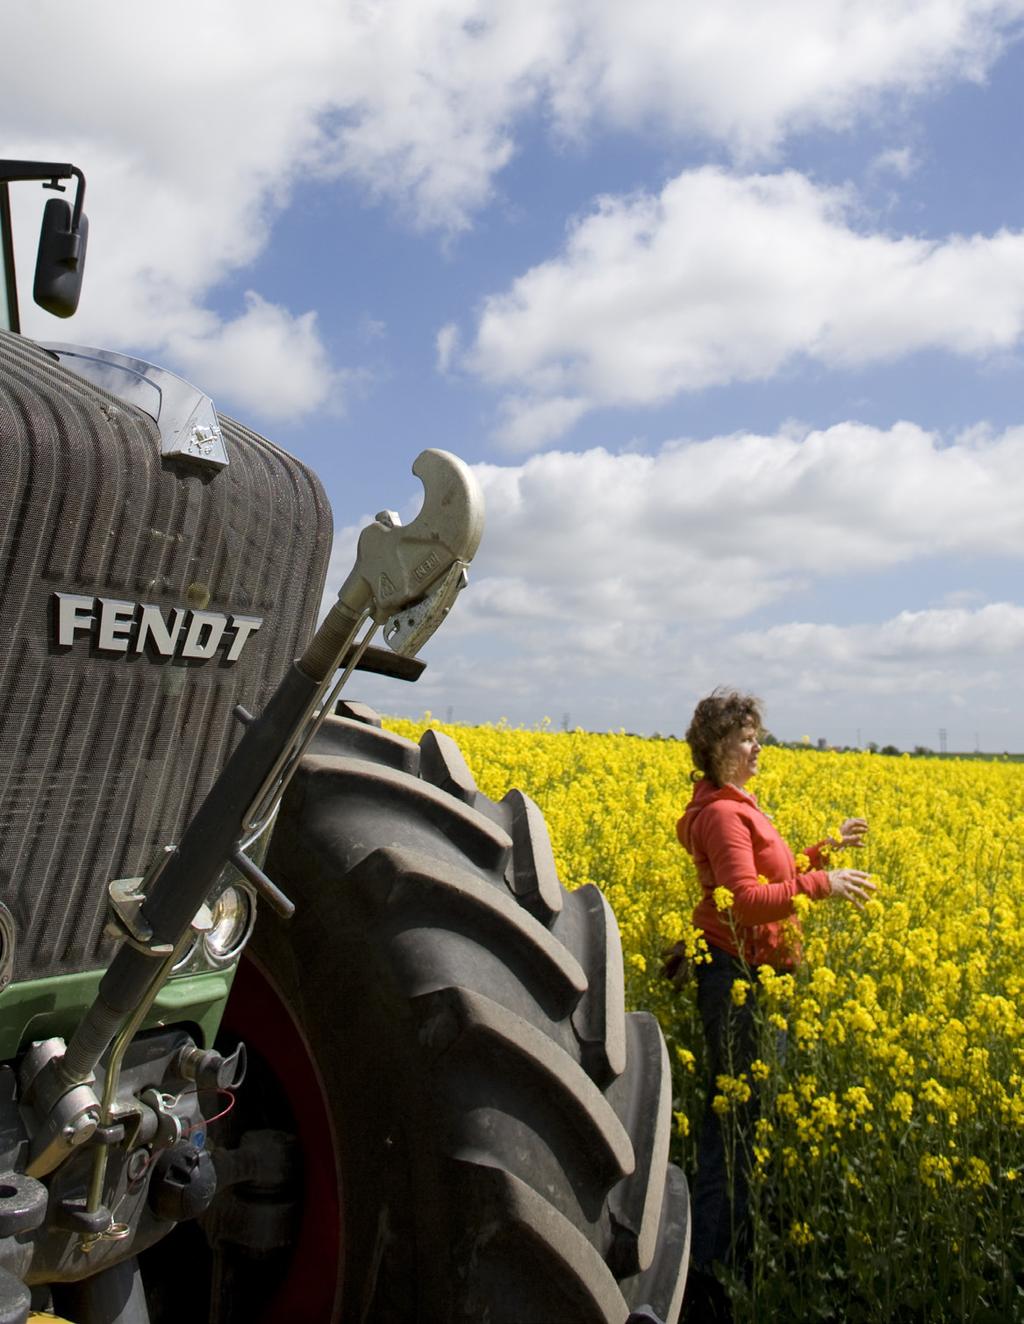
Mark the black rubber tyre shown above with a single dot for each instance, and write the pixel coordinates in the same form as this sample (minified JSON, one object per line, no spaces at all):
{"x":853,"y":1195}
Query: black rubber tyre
{"x":493,"y":1130}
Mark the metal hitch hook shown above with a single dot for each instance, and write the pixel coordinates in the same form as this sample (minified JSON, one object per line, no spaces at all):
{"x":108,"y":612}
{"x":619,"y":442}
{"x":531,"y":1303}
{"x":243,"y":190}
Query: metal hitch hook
{"x":398,"y":565}
{"x":407,"y":575}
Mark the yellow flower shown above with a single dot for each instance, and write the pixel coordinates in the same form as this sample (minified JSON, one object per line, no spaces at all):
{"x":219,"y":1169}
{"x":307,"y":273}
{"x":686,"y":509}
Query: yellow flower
{"x":902,"y":1105}
{"x":976,"y":1173}
{"x":935,"y":1094}
{"x":823,"y":981}
{"x":735,"y":1089}
{"x":806,"y":1029}
{"x":825,"y":1113}
{"x":740,"y":989}
{"x":800,"y":1234}
{"x":861,"y":1019}
{"x":857,"y":1101}
{"x":806,"y":1086}
{"x":723,"y":898}
{"x":835,"y":1031}
{"x":781,"y":988}
{"x":935,"y":1168}
{"x":672,"y":924}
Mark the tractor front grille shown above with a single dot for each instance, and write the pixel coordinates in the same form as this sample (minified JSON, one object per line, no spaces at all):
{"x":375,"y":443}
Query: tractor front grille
{"x":104,"y":756}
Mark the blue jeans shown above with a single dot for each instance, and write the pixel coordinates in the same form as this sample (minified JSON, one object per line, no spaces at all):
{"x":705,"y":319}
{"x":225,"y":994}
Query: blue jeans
{"x":720,"y":1206}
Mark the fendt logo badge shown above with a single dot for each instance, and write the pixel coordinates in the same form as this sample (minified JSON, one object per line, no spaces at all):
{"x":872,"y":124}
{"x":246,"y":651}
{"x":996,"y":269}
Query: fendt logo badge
{"x":122,"y":627}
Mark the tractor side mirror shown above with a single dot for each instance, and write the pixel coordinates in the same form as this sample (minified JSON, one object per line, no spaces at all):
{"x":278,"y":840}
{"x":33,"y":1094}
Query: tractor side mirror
{"x":61,"y":259}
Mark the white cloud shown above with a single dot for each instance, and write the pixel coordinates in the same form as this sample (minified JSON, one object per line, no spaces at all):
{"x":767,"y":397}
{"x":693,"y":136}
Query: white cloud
{"x":708,"y":531}
{"x":936,"y":635}
{"x":527,"y":424}
{"x":722,"y":278}
{"x":267,"y":357}
{"x":446,"y":343}
{"x":898,"y":161}
{"x":747,"y":74}
{"x":955,"y":656}
{"x":505,"y":598}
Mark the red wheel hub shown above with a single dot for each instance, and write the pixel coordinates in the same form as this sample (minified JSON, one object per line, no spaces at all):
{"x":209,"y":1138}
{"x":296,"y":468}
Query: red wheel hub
{"x":257,"y":1014}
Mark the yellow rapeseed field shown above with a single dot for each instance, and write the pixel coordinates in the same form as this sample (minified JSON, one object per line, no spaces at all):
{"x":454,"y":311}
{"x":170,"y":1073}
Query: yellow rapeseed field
{"x":888,"y":1154}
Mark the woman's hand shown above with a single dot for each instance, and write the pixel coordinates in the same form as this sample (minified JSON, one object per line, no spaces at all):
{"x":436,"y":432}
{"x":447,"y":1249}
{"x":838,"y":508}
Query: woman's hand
{"x":852,"y":833}
{"x":852,"y":885}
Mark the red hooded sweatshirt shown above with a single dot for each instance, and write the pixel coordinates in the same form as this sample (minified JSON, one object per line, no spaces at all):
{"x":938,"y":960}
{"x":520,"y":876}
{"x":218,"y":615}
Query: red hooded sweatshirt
{"x":732,"y":842}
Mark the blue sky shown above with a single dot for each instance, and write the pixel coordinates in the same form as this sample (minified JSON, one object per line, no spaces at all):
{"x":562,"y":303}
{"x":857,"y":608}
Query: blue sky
{"x":724,"y":300}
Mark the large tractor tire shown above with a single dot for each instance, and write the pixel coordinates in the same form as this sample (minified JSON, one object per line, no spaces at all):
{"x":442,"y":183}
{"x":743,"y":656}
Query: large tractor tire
{"x":484,"y":1133}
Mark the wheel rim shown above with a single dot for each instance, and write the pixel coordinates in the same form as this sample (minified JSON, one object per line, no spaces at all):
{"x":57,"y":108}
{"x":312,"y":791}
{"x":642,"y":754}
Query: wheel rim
{"x":259,"y":1015}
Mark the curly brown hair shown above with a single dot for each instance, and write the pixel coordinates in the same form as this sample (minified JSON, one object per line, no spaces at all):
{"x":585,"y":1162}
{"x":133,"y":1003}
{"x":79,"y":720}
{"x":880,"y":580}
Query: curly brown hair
{"x":715,"y":719}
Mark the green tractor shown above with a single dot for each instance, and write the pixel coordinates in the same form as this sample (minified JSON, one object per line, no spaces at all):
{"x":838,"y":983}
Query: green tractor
{"x":295,"y":1023}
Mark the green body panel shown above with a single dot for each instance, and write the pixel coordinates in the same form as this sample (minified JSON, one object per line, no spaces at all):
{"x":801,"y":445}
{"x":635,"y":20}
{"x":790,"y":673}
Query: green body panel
{"x":42,"y":1008}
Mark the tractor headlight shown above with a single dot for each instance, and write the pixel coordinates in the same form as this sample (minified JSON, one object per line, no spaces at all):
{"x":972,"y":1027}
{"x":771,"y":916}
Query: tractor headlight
{"x":234,"y":914}
{"x":186,"y":958}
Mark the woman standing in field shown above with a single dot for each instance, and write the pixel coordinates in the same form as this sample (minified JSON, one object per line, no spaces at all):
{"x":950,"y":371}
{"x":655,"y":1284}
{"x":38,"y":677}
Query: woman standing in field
{"x":748,"y":877}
